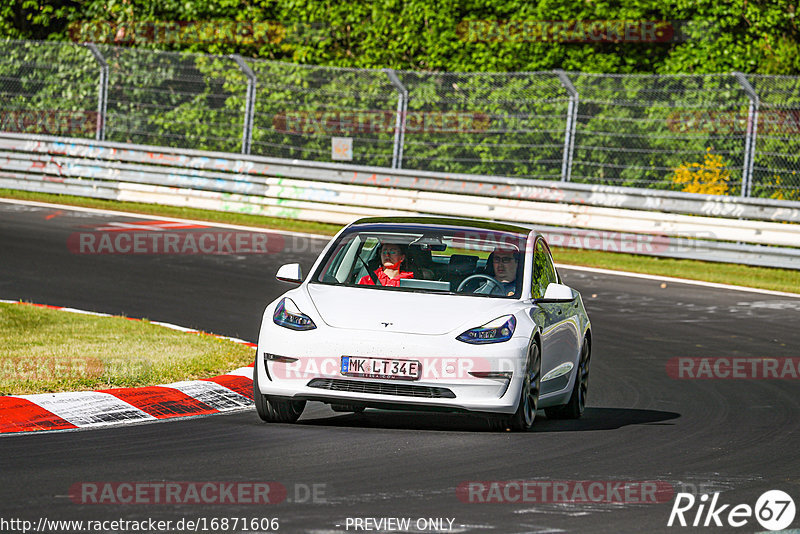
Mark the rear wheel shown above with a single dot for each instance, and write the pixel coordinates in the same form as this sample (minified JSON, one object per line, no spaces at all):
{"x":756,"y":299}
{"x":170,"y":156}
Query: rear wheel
{"x":273,"y":410}
{"x":523,"y":418}
{"x":577,"y":401}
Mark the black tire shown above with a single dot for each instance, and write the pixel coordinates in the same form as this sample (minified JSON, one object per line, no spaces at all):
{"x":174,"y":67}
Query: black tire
{"x":259,"y":399}
{"x":576,"y":405}
{"x":523,"y":418}
{"x":272,"y":410}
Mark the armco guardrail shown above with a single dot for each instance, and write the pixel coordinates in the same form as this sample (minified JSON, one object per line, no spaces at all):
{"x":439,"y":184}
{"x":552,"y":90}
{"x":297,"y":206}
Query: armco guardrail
{"x":750,"y":231}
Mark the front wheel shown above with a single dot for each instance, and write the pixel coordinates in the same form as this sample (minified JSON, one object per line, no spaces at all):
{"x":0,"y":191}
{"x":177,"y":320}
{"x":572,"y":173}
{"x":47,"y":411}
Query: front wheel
{"x":273,"y":410}
{"x":523,"y":418}
{"x":576,"y":405}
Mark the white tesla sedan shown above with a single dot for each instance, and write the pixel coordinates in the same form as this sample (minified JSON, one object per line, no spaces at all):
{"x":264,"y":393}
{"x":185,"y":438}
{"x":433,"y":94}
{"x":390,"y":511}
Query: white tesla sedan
{"x":423,"y":313}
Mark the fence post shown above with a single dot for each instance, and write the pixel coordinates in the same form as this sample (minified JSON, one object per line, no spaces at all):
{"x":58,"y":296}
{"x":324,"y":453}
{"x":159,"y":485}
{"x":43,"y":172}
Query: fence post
{"x":572,"y":118}
{"x":752,"y":133}
{"x":102,"y":92}
{"x":400,"y":121}
{"x":250,"y":103}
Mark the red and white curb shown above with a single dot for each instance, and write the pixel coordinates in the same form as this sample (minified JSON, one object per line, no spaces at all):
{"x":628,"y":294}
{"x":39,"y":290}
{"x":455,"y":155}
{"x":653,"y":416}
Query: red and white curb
{"x":84,"y":409}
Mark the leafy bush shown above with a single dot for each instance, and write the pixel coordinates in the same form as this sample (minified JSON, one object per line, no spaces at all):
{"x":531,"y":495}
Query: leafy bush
{"x":709,"y":178}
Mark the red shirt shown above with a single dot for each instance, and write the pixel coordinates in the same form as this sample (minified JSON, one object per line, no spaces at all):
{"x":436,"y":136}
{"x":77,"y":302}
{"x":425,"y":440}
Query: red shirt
{"x":384,"y":279}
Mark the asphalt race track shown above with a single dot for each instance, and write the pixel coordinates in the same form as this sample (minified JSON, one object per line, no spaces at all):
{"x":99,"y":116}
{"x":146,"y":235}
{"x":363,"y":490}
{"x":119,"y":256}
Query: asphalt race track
{"x":733,"y":436}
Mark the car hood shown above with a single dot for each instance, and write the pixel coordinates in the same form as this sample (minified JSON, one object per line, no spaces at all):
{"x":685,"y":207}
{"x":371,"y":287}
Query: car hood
{"x":405,"y":312}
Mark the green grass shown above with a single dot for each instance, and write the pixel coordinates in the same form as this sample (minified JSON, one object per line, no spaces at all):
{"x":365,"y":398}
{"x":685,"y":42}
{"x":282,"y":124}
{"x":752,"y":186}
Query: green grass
{"x":45,"y":350}
{"x":724,"y":273}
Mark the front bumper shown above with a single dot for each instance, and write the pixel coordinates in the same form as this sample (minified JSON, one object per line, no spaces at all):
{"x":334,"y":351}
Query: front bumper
{"x":445,"y":382}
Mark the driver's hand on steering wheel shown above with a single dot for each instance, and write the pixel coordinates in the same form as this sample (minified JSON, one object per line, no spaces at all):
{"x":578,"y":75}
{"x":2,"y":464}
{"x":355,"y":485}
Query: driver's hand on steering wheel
{"x":490,"y":285}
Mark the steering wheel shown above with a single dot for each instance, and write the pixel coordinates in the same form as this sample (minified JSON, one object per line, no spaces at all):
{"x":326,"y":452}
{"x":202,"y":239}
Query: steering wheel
{"x":477,"y":277}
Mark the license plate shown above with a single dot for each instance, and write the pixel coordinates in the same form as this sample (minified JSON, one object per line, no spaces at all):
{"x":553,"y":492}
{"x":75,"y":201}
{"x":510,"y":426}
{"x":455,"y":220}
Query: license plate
{"x":381,"y":368}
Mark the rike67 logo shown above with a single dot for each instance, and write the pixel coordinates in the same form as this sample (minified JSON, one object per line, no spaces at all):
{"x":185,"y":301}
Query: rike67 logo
{"x":774,"y":510}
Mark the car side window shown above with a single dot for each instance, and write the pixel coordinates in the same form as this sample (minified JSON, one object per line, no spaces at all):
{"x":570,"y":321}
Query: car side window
{"x":544,"y":273}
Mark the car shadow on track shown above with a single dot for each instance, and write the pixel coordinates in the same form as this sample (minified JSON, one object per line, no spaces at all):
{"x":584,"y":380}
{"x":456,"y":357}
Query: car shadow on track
{"x":605,"y":419}
{"x":593,"y":419}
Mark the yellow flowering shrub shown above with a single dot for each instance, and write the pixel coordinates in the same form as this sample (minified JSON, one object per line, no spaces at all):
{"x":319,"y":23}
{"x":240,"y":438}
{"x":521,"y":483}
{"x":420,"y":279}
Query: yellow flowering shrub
{"x":784,"y":192}
{"x":710,"y":177}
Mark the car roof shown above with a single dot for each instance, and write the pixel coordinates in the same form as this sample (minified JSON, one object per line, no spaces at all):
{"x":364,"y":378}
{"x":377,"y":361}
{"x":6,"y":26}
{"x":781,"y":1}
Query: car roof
{"x":444,"y":221}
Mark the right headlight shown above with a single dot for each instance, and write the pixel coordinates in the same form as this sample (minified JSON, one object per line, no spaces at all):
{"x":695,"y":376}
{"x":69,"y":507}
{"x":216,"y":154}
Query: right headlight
{"x":288,"y":315}
{"x":496,"y":331}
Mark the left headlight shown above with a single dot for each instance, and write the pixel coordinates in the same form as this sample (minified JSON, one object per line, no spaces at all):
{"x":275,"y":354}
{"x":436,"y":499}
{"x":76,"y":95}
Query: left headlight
{"x":289,"y":316}
{"x":496,"y":331}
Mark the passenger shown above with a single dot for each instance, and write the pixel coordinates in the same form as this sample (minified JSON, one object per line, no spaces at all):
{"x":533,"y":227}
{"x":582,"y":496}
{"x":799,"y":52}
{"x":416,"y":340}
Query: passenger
{"x":504,"y":270}
{"x":393,"y":267}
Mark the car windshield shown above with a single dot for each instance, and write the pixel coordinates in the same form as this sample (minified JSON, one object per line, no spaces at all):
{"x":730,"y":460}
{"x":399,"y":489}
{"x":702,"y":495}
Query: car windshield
{"x":483,"y":263}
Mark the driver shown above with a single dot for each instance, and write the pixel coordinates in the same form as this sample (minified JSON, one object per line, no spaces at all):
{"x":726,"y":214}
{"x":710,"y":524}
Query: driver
{"x":393,"y":266}
{"x":504,"y":265}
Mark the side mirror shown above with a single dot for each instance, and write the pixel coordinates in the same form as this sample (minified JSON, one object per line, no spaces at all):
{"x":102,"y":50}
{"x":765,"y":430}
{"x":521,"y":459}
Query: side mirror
{"x":291,"y":272}
{"x":557,"y":293}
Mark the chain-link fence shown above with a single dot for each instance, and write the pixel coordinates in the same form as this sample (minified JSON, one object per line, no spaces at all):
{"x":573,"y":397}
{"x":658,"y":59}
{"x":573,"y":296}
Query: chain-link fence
{"x":48,"y":88}
{"x":495,"y":124}
{"x":642,"y":131}
{"x":173,"y":99}
{"x":729,"y":134}
{"x":299,"y":109}
{"x":776,"y":171}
